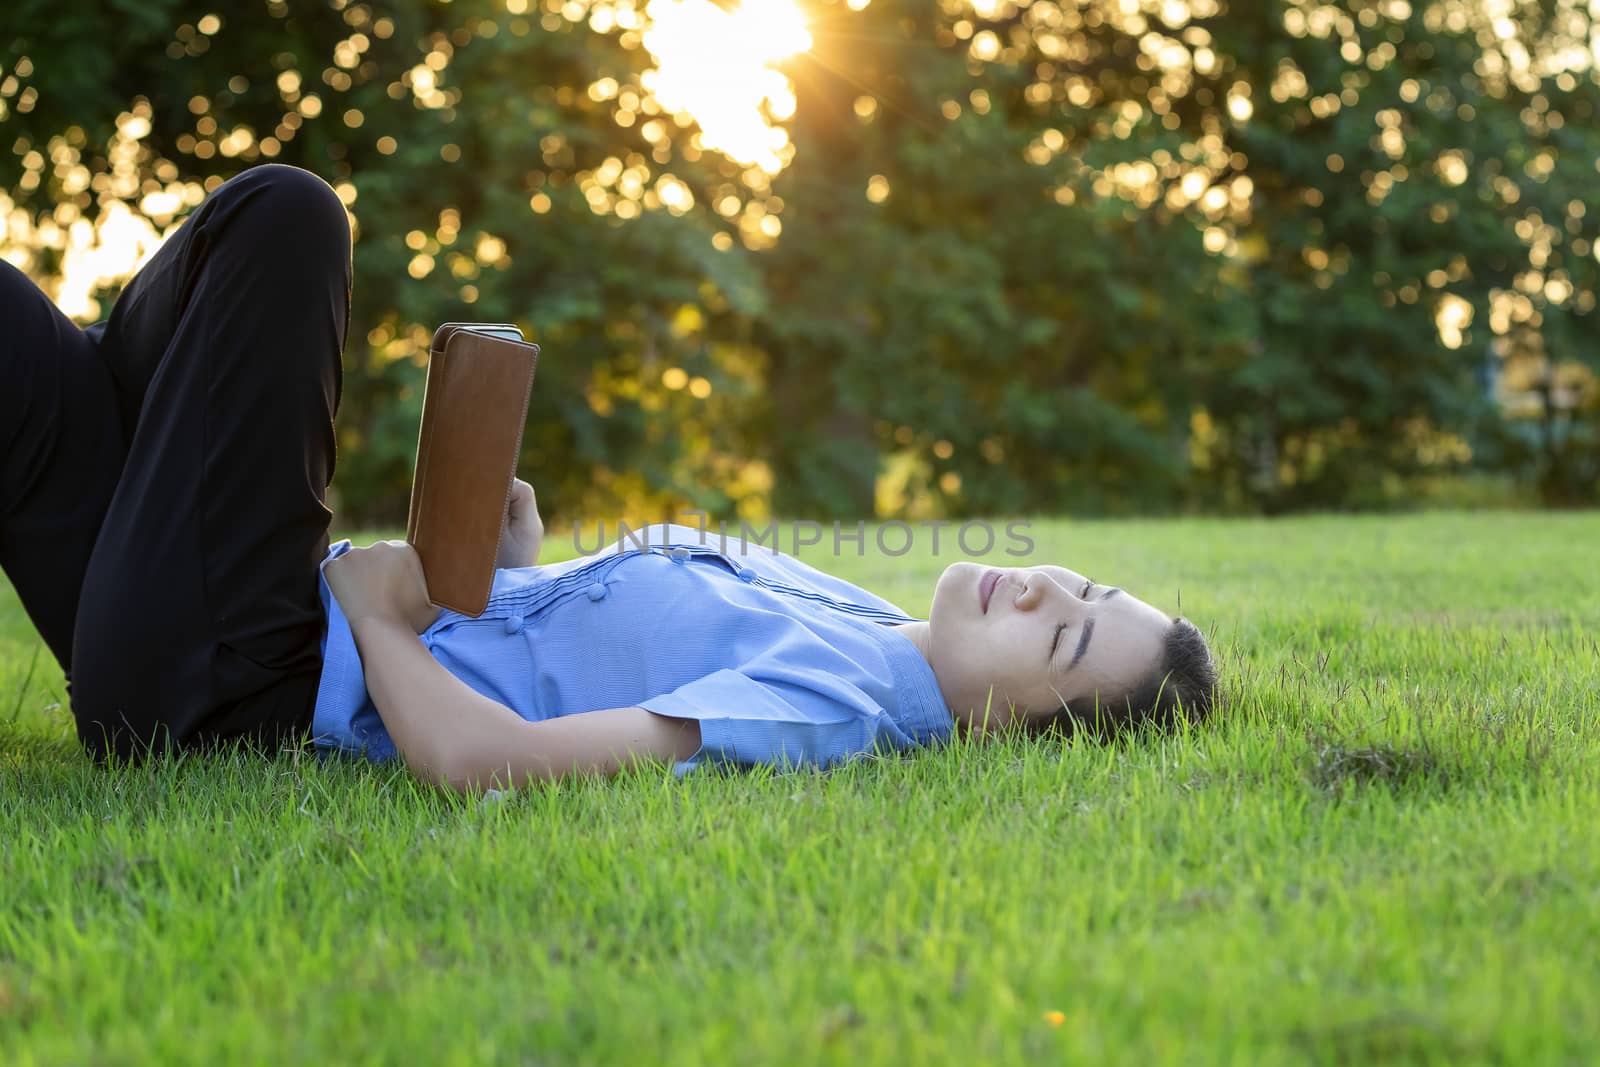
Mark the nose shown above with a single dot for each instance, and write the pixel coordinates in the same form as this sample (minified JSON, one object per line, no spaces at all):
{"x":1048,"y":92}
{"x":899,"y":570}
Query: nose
{"x":1040,"y":589}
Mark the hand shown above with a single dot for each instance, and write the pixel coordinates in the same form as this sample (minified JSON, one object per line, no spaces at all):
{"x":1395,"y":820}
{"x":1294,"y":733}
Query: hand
{"x":382,"y":581}
{"x":521,"y":530}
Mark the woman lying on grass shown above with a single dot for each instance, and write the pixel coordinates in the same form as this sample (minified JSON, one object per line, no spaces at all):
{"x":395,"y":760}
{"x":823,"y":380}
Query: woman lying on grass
{"x":162,"y":518}
{"x":696,"y":651}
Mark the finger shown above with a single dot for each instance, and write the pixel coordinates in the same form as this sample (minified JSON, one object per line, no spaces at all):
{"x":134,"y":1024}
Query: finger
{"x":517,"y":504}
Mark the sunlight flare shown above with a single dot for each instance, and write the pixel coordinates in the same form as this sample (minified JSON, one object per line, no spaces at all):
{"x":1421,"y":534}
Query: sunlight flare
{"x":716,"y":66}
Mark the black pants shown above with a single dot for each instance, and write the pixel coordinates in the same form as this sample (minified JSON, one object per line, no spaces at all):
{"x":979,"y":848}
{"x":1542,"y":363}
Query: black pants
{"x":163,"y":474}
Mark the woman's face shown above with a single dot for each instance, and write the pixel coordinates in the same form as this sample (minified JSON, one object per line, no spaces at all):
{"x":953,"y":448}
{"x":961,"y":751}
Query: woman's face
{"x":1039,"y":636}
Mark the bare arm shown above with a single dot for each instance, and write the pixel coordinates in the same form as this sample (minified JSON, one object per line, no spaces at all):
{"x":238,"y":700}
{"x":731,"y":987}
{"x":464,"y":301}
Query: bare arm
{"x":456,"y":737}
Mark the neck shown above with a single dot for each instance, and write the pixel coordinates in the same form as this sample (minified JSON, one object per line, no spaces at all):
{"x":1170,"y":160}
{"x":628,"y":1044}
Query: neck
{"x":917,"y":633}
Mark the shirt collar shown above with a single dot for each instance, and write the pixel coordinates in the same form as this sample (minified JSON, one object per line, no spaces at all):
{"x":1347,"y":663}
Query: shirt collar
{"x":921,"y":710}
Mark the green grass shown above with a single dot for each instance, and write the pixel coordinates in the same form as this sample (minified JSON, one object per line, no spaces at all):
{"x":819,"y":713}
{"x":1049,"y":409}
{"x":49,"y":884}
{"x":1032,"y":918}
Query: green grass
{"x":1385,"y":851}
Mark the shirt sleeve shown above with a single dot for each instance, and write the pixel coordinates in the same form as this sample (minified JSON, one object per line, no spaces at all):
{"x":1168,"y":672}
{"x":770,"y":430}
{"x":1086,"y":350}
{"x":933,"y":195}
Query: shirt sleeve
{"x":781,"y":709}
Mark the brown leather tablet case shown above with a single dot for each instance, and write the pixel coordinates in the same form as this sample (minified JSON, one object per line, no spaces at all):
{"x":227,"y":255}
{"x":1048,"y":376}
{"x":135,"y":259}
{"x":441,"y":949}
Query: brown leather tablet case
{"x":474,"y":406}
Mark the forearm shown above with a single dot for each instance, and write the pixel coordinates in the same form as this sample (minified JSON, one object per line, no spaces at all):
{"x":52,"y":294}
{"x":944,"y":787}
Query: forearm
{"x":451,"y":735}
{"x":437,"y":721}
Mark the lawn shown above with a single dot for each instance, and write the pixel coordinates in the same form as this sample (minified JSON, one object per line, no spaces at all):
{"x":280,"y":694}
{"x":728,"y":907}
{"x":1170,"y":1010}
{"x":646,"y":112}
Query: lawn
{"x":1385,"y":850}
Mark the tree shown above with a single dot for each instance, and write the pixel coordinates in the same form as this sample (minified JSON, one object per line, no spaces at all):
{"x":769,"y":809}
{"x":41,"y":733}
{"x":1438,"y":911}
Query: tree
{"x":1025,"y":255}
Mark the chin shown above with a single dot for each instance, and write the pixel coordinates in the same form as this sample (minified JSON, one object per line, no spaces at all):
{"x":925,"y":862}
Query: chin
{"x":949,"y":583}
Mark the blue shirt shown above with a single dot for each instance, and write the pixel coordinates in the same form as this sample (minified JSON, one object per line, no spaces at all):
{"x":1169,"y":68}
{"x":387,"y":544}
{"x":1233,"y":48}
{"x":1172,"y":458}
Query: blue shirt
{"x":780,"y":663}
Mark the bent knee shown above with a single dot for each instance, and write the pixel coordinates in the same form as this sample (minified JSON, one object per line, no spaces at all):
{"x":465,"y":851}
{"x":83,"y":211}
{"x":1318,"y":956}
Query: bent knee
{"x":287,"y":204}
{"x":284,"y":186}
{"x":295,"y":186}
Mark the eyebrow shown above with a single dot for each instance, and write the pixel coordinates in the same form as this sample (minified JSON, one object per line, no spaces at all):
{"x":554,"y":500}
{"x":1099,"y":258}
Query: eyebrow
{"x":1083,"y":644}
{"x":1088,"y":630}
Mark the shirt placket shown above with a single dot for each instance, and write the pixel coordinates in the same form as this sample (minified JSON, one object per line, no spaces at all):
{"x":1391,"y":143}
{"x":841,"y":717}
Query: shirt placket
{"x":749,"y":574}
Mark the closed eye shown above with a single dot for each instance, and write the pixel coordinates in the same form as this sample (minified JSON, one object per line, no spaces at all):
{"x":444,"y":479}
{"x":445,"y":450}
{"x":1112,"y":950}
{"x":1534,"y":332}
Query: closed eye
{"x":1055,"y":641}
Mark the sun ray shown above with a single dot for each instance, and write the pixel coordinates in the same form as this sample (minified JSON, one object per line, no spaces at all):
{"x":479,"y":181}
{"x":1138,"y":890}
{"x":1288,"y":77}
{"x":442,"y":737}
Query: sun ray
{"x":716,"y":65}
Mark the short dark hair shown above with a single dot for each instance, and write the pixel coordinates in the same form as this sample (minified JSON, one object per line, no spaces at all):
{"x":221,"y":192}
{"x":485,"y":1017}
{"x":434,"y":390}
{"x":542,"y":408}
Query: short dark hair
{"x":1183,"y":684}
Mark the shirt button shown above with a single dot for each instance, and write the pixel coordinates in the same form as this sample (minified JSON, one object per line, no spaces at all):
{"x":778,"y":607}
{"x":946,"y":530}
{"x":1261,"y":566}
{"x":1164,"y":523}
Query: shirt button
{"x":679,"y":554}
{"x":514,"y":624}
{"x":597,"y":591}
{"x":747,"y":573}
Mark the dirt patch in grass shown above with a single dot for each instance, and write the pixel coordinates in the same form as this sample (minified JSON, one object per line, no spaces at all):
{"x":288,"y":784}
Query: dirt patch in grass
{"x":1335,"y":766}
{"x":1392,"y":1037}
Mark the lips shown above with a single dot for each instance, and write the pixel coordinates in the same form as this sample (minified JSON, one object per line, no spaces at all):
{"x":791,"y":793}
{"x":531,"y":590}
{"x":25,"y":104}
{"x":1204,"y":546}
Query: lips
{"x":986,"y":586}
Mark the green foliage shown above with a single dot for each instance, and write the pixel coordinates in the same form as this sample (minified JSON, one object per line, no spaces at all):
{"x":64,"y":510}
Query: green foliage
{"x":1039,"y":307}
{"x":1358,"y":373}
